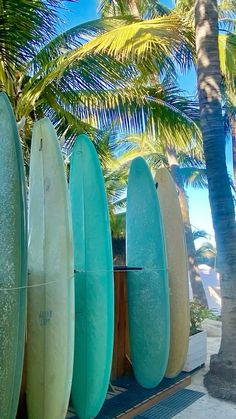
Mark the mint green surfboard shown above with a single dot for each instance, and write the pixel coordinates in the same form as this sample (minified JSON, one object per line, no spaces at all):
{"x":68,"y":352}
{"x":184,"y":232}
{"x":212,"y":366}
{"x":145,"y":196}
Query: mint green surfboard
{"x":13,"y":261}
{"x":94,"y":287}
{"x":148,"y":293}
{"x":50,"y":326}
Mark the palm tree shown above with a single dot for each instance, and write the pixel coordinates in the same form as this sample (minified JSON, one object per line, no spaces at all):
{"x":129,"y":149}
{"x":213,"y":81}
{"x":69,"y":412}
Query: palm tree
{"x":118,"y":238}
{"x":147,"y":9}
{"x":150,"y":9}
{"x":222,"y":375}
{"x":195,"y":278}
{"x":38,"y":86}
{"x":25,"y":26}
{"x":186,"y":169}
{"x":79,"y":78}
{"x":75,"y":79}
{"x":116,"y":178}
{"x":206,"y":254}
{"x":115,"y":174}
{"x":227,"y":51}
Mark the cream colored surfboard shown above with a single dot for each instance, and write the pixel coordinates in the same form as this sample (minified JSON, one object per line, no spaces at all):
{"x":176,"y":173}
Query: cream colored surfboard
{"x":178,"y":271}
{"x":50,"y":331}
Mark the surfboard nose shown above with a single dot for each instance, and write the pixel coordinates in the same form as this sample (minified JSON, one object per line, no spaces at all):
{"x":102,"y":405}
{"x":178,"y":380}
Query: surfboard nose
{"x":83,"y":144}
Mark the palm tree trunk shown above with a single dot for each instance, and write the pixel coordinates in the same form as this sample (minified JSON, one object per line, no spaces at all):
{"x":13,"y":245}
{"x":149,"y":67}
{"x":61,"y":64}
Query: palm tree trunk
{"x":233,"y":134}
{"x":195,"y":279}
{"x":220,"y":380}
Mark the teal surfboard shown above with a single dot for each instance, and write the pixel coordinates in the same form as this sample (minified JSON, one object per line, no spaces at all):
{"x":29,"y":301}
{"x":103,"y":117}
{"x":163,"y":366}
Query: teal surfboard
{"x":50,"y":326}
{"x":148,"y":293}
{"x":94,"y":287}
{"x":13,"y":261}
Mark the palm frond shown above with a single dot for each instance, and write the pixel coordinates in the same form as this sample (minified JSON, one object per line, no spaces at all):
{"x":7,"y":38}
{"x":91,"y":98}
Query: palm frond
{"x":227,"y":13}
{"x":154,"y":152}
{"x":206,"y":252}
{"x":99,"y":74}
{"x":157,"y":40}
{"x":142,"y":145}
{"x":74,"y":38}
{"x":120,"y":203}
{"x":200,"y":234}
{"x":99,"y":95}
{"x":226,"y":24}
{"x":115,"y":175}
{"x":227,"y":53}
{"x":118,"y":225}
{"x":194,"y":177}
{"x":191,"y":159}
{"x":114,"y":8}
{"x":67,"y":124}
{"x":24,"y":26}
{"x":146,"y":9}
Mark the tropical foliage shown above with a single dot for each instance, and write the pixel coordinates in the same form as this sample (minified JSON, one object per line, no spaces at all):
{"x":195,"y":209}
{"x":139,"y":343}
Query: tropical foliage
{"x":169,"y":146}
{"x":121,"y":71}
{"x":93,"y":74}
{"x":206,"y":254}
{"x":91,"y":77}
{"x":199,"y":313}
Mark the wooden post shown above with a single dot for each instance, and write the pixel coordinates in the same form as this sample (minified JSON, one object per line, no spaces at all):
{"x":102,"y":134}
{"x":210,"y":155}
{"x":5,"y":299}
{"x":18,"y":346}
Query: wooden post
{"x":22,"y":409}
{"x":121,"y":353}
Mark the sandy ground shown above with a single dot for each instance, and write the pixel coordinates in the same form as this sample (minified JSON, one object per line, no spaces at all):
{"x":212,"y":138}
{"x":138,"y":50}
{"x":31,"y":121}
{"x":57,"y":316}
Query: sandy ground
{"x":207,"y":407}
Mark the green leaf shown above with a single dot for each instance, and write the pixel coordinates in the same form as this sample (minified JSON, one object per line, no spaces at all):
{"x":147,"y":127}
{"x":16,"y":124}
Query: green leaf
{"x":194,"y":177}
{"x":146,"y":9}
{"x":24,"y":26}
{"x":227,"y":54}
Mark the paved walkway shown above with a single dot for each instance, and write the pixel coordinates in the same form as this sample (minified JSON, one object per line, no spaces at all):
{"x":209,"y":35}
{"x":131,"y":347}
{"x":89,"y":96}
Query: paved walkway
{"x":207,"y":407}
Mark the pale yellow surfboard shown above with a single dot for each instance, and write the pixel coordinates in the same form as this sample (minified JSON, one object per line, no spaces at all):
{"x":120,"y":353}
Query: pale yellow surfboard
{"x":178,"y":271}
{"x":50,"y":326}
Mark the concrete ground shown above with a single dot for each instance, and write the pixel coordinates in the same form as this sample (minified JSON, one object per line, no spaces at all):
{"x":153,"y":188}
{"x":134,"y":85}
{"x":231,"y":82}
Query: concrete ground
{"x":207,"y":407}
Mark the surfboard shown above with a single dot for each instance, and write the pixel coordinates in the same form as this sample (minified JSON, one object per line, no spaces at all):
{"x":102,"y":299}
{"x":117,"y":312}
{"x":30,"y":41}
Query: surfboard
{"x":148,"y":292}
{"x":178,"y":271}
{"x":50,"y":331}
{"x":13,"y":261}
{"x":94,"y":285}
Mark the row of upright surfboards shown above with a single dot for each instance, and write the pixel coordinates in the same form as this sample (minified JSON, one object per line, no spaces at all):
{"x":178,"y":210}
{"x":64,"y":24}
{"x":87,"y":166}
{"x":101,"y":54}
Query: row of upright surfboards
{"x":66,"y":287}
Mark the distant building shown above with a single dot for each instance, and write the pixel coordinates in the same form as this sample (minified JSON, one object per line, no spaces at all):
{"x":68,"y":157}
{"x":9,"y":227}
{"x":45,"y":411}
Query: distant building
{"x":211,"y":282}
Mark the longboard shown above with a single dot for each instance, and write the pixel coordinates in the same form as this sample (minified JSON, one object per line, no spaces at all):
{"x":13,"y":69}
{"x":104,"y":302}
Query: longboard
{"x":178,"y":271}
{"x":94,"y":285}
{"x":13,"y":261}
{"x":50,"y":331}
{"x":148,"y":293}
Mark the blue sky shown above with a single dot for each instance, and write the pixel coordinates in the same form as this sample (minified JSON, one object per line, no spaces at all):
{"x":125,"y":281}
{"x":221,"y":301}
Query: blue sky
{"x":200,"y":213}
